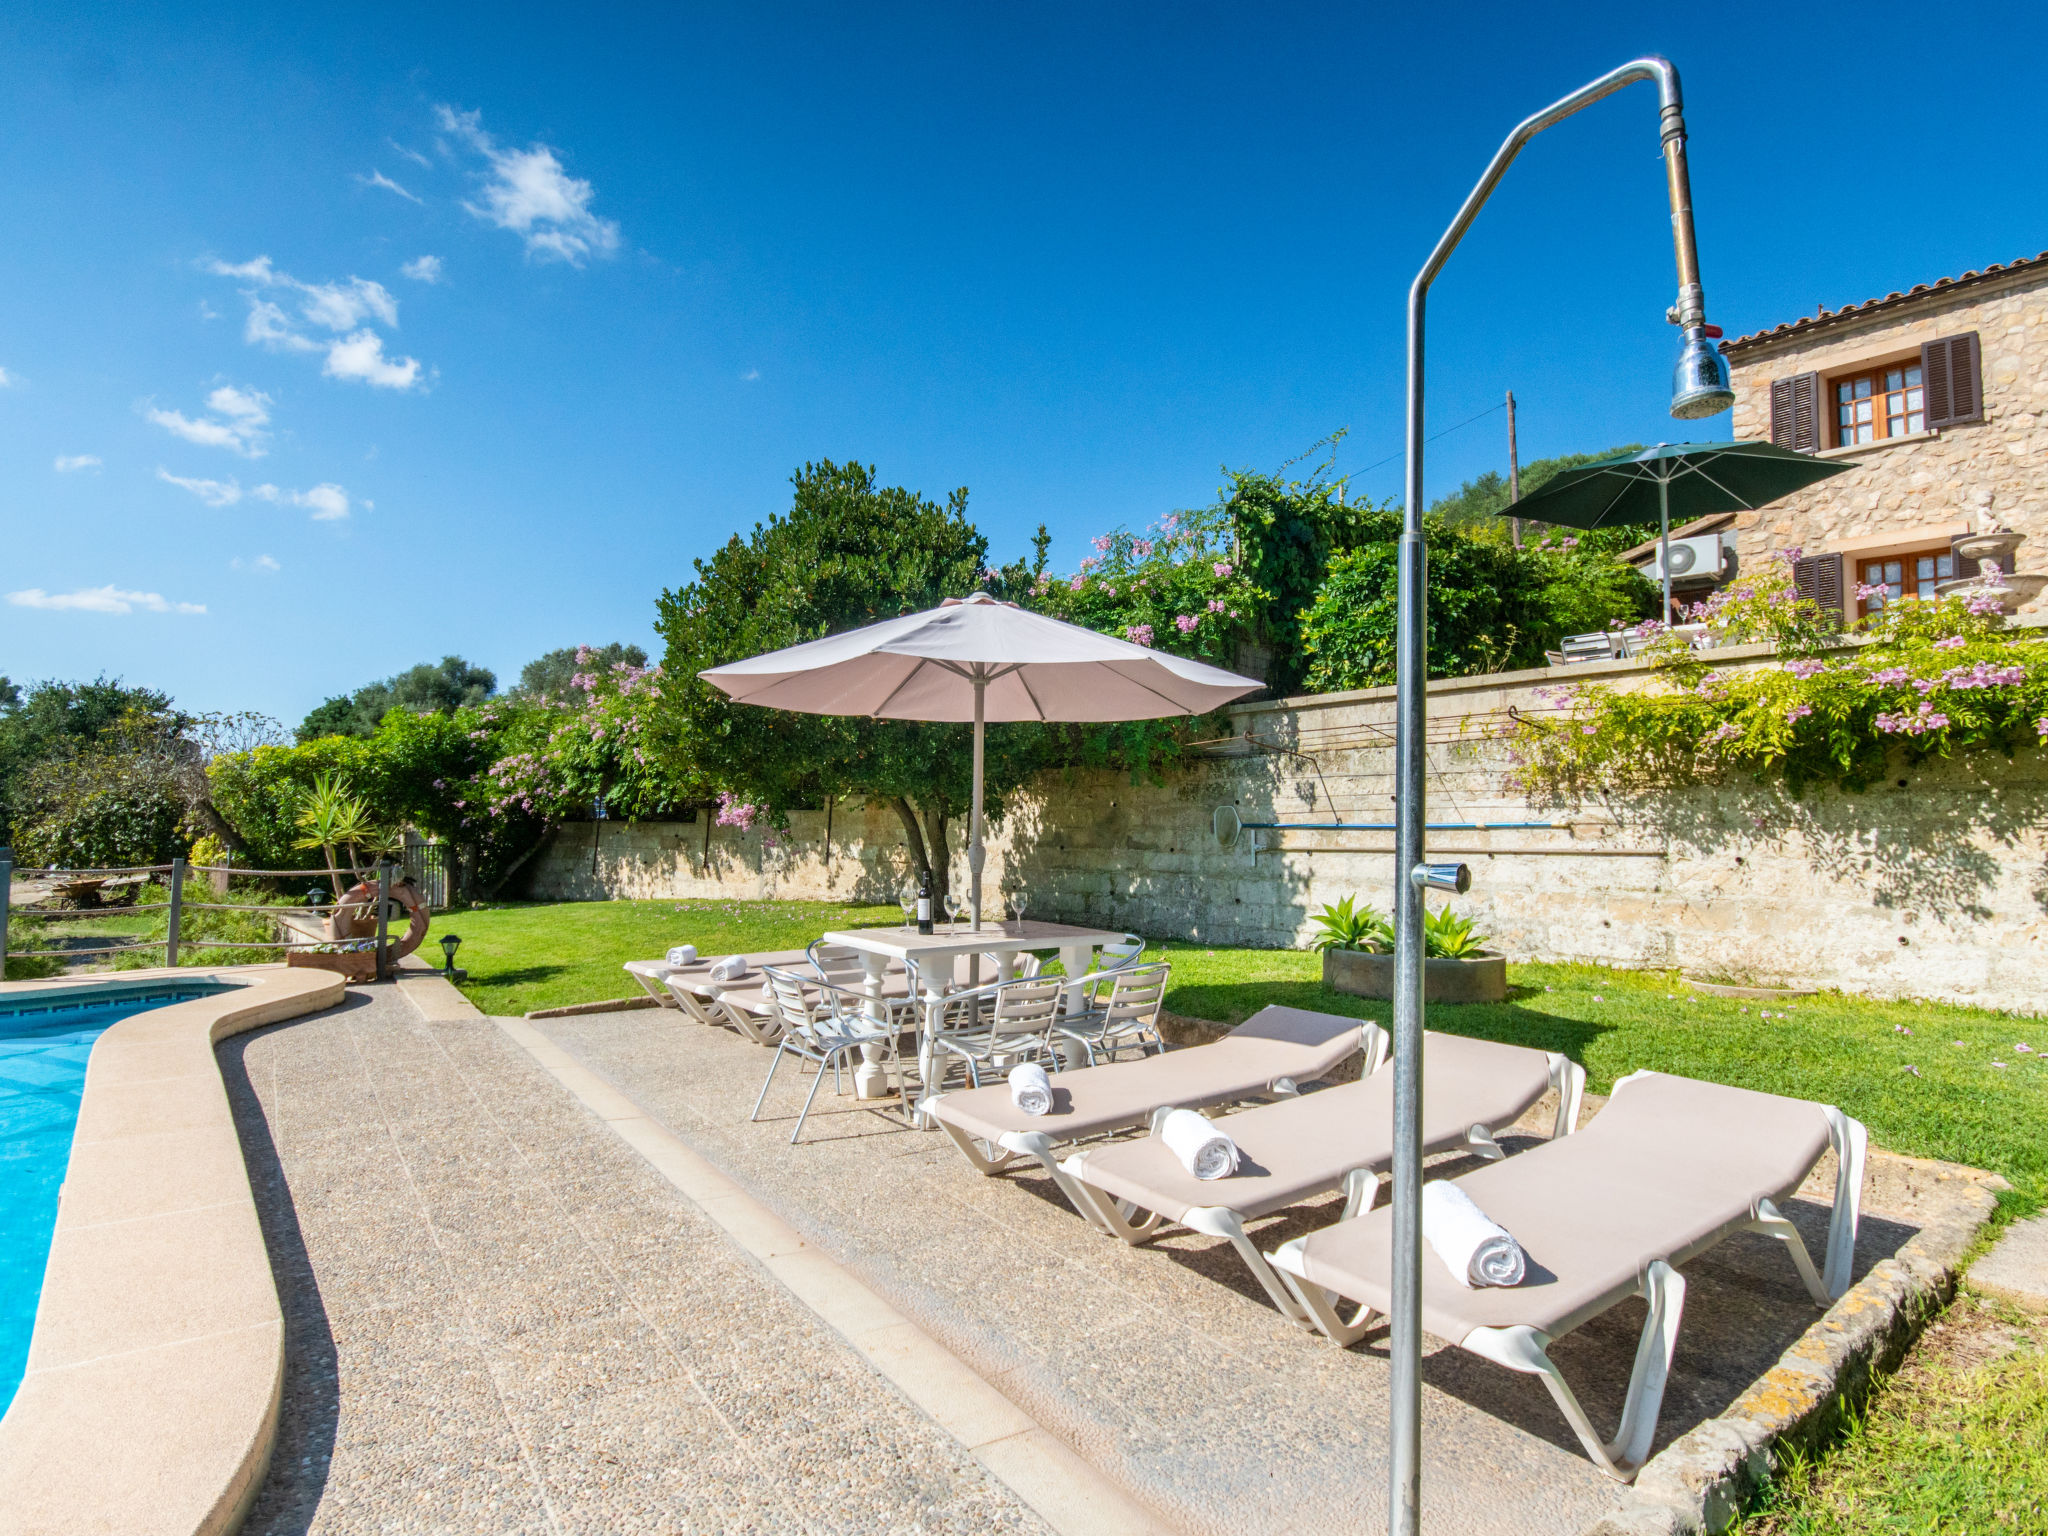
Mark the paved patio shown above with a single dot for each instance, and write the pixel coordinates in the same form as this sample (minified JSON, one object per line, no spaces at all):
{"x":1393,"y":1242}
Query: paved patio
{"x":500,"y":1319}
{"x":1167,"y":1367}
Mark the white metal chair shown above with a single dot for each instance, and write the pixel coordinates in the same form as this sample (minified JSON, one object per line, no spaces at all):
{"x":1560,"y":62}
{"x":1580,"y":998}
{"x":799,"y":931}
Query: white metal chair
{"x":993,"y":1027}
{"x":829,"y":1025}
{"x":840,"y":964}
{"x":1120,"y":1009}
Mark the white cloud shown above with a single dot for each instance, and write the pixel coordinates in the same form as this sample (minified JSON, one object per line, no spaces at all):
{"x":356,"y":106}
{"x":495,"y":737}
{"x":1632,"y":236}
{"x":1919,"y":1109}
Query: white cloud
{"x":379,"y":179}
{"x":215,"y":493}
{"x":361,"y":356}
{"x":236,"y":420}
{"x":262,"y":563}
{"x":326,"y":501}
{"x":750,"y":376}
{"x":71,"y":463}
{"x":528,"y":192}
{"x":8,"y":380}
{"x":345,"y":308}
{"x":423,"y":269}
{"x":411,"y":154}
{"x":107,"y":599}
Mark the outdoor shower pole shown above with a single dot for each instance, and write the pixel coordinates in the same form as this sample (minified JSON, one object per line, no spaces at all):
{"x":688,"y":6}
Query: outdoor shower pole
{"x":1411,"y":667}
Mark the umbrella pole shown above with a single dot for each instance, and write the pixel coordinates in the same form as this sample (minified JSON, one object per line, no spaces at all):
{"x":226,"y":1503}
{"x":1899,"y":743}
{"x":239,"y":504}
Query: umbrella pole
{"x":1664,"y":541}
{"x":976,"y":853}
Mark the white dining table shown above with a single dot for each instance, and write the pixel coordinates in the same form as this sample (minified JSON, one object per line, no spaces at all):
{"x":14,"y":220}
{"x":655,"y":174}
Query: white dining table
{"x":951,"y":953}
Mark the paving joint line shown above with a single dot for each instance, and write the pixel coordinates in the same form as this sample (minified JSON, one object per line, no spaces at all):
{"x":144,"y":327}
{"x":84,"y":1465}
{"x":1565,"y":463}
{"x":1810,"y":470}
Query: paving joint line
{"x":1069,"y":1493}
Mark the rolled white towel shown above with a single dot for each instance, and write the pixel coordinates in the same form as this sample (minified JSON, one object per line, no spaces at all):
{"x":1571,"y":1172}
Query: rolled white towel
{"x":683,"y":954}
{"x":731,"y":968}
{"x":1203,"y":1147}
{"x":1474,"y":1249}
{"x":1030,"y":1088}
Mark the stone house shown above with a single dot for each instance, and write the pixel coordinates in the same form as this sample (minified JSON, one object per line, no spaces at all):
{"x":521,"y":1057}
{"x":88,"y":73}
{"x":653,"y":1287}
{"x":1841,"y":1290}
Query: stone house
{"x":1938,"y":397}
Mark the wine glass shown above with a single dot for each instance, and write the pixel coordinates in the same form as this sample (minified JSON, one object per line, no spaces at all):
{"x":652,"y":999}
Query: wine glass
{"x":1017,"y":901}
{"x":954,"y":907}
{"x":907,"y":900}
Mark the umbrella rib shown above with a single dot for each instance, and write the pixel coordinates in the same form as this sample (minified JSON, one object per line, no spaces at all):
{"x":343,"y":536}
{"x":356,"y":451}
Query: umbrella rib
{"x":1024,"y":682}
{"x":876,"y":712}
{"x":1178,"y":707}
{"x":1747,"y":506}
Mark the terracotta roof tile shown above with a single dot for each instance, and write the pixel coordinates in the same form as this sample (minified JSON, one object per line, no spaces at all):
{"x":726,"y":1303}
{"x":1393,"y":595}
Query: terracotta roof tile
{"x":1831,"y":317}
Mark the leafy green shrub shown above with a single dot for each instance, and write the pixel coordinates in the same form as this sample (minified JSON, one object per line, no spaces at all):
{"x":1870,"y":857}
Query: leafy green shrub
{"x":1492,"y":607}
{"x":1345,"y":925}
{"x":1447,"y":936}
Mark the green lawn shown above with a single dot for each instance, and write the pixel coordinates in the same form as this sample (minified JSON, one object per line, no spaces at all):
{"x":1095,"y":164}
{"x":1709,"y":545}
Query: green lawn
{"x":1957,"y":1442}
{"x":1921,"y":1076}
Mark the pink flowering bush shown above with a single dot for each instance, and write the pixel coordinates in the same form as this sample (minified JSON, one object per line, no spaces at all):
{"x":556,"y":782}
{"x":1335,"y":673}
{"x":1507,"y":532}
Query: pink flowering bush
{"x":1173,"y":586}
{"x":1922,"y":678}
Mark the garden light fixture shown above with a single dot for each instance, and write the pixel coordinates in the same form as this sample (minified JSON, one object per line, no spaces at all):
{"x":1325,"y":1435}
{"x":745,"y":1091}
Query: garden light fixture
{"x":449,"y":944}
{"x":1700,"y":389}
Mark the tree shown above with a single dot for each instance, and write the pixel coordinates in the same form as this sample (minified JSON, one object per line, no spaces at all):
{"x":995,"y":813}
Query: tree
{"x":117,"y":800}
{"x":553,"y":676}
{"x":425,"y":689}
{"x":847,"y":553}
{"x":1474,"y":508}
{"x":56,"y":720}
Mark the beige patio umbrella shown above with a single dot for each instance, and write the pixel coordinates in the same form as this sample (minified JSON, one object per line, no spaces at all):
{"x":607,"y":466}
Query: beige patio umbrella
{"x":980,"y":659}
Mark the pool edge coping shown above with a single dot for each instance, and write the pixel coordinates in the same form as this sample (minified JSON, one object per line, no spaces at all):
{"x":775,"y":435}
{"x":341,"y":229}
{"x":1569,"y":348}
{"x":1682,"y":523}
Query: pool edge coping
{"x":172,"y":1340}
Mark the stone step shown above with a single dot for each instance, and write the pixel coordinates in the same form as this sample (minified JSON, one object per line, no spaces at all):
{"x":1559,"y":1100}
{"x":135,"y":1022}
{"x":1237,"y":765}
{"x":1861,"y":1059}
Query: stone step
{"x":2016,"y":1269}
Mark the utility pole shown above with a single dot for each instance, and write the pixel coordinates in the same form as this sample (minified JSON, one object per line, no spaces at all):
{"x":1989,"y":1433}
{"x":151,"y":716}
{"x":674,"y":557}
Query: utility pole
{"x":1514,"y":471}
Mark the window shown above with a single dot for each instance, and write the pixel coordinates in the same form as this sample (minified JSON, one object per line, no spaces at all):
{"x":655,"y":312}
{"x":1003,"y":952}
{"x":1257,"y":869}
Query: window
{"x":1886,"y":402}
{"x":1898,"y":577}
{"x":1943,"y":389}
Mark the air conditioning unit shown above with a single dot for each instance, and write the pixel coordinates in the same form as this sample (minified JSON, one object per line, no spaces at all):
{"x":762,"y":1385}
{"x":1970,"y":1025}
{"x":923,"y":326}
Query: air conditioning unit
{"x":1704,"y":557}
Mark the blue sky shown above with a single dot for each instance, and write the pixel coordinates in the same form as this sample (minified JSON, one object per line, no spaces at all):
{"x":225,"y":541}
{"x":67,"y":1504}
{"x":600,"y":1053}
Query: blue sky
{"x":383,"y":332}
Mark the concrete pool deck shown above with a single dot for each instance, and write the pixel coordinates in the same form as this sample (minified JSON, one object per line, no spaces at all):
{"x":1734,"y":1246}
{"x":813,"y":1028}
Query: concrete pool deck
{"x":501,"y":1318}
{"x":544,"y":1276}
{"x":150,"y":1400}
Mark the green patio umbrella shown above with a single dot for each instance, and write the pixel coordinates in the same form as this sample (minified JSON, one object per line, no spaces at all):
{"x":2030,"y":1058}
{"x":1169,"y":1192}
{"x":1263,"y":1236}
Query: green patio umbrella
{"x":1686,"y":480}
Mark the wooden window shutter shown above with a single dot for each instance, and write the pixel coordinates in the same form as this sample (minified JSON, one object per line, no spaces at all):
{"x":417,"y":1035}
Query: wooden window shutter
{"x":1818,"y":578}
{"x":1795,"y":412}
{"x":1953,"y":371}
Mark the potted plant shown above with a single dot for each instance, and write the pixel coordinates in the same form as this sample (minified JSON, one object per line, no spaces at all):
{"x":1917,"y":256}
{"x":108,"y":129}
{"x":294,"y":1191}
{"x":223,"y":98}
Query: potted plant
{"x":1357,"y":946}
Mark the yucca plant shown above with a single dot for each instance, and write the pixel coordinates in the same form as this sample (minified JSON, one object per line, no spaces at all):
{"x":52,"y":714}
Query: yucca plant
{"x":330,"y":817}
{"x":1346,"y":925}
{"x":1447,"y":936}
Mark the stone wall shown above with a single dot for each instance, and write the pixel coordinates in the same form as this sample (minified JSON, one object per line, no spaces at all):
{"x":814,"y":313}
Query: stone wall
{"x":1918,"y":491}
{"x":1933,"y":885}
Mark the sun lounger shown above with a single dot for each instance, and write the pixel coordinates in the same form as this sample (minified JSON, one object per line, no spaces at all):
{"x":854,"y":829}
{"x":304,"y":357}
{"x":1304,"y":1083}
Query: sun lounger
{"x":1272,"y":1052}
{"x":738,"y":1005}
{"x":1340,"y":1137}
{"x":650,"y":974}
{"x":1667,"y":1170}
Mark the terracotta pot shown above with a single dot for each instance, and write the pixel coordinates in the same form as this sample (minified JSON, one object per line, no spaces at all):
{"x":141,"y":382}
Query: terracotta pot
{"x":1482,"y":979}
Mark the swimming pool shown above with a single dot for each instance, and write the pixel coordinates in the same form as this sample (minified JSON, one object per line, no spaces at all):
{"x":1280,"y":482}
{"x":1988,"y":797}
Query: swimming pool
{"x":45,"y":1041}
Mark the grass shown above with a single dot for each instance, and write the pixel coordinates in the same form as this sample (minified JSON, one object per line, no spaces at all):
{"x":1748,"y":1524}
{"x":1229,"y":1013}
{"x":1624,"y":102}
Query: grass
{"x":1957,"y":1442}
{"x":32,"y":930}
{"x":1922,"y":1076}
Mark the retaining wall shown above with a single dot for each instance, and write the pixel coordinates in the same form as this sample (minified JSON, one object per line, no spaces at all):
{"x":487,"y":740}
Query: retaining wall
{"x":1934,"y":884}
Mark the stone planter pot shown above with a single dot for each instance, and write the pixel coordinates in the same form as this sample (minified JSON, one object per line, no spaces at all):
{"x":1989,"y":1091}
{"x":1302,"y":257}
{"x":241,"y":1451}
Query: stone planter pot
{"x":1483,"y":979}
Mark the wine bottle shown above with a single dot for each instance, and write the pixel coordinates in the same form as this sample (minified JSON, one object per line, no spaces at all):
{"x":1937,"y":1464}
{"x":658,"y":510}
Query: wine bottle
{"x":924,"y":903}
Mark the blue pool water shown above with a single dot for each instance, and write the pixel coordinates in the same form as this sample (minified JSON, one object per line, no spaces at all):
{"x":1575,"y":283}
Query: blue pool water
{"x":43,"y":1051}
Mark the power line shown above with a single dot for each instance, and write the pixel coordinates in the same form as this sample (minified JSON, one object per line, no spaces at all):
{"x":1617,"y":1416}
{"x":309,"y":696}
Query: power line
{"x":1447,"y":431}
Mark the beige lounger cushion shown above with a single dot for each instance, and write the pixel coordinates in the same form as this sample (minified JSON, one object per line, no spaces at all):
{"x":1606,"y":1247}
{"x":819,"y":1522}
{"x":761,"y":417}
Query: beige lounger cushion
{"x":1275,"y":1042}
{"x":1663,"y":1172}
{"x":1298,"y":1148}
